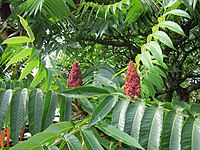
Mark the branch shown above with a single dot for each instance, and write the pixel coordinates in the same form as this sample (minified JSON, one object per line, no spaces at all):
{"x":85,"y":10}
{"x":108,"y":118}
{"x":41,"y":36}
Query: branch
{"x":193,"y":87}
{"x":185,"y":56}
{"x":114,"y":43}
{"x":190,"y":76}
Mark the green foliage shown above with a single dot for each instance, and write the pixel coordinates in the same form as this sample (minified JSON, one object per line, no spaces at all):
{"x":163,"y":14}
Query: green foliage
{"x":18,"y":113}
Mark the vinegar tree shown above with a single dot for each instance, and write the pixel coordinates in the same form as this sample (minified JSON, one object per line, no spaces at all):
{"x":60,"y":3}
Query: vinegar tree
{"x":100,"y":108}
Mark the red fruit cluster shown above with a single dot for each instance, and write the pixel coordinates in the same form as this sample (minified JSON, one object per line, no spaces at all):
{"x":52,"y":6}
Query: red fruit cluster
{"x":132,"y":84}
{"x":75,"y":76}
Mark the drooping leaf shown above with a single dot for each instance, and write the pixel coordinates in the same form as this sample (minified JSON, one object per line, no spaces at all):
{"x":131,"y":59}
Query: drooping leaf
{"x":90,"y":140}
{"x":17,"y":40}
{"x":195,"y":109}
{"x":119,"y":114}
{"x":65,"y":108}
{"x":87,"y":106}
{"x":28,"y":69}
{"x":136,"y":9}
{"x":71,"y":3}
{"x":72,"y":142}
{"x":30,"y":145}
{"x":133,"y":118}
{"x":102,"y":29}
{"x":45,"y":138}
{"x":146,"y":59}
{"x":164,"y":38}
{"x":151,"y":128}
{"x":157,"y":70}
{"x":60,"y":127}
{"x":172,"y":26}
{"x":151,"y":89}
{"x":49,"y":109}
{"x":51,"y":134}
{"x":171,"y":134}
{"x":35,"y":105}
{"x":18,"y":113}
{"x":49,"y":75}
{"x":178,"y":12}
{"x":105,"y":75}
{"x":103,"y":109}
{"x":40,"y":74}
{"x":155,"y":79}
{"x":155,"y":49}
{"x":117,"y":134}
{"x":56,"y":9}
{"x":190,"y":134}
{"x":103,"y":141}
{"x":82,"y":92}
{"x":27,"y":28}
{"x":5,"y":98}
{"x":2,"y":85}
{"x":19,"y":56}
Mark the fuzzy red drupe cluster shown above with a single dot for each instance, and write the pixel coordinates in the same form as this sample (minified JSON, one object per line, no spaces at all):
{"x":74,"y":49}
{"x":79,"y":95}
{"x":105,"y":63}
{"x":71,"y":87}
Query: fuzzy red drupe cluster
{"x":75,"y":76}
{"x":132,"y":83}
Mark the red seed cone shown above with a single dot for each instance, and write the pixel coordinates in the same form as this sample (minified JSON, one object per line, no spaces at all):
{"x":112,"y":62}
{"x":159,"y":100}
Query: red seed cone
{"x":132,"y":83}
{"x":75,"y":76}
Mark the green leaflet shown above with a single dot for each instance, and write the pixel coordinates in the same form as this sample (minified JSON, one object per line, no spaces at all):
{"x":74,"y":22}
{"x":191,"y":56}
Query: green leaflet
{"x":90,"y":140}
{"x":40,"y":74}
{"x":157,"y":70}
{"x":103,"y":109}
{"x":72,"y":142}
{"x":134,"y":116}
{"x":87,"y":106}
{"x":155,"y":49}
{"x":65,"y":108}
{"x":171,"y":134}
{"x":84,"y":91}
{"x":118,"y":135}
{"x":60,"y":127}
{"x":178,"y":12}
{"x":27,"y":28}
{"x":17,"y":40}
{"x":49,"y":75}
{"x":135,"y":11}
{"x":18,"y":113}
{"x":195,"y":109}
{"x":49,"y":109}
{"x":155,"y":79}
{"x":103,"y":141}
{"x":19,"y":56}
{"x":29,"y":145}
{"x":5,"y":98}
{"x":28,"y":69}
{"x":105,"y":77}
{"x":35,"y":105}
{"x":47,"y":137}
{"x":164,"y":38}
{"x":146,"y":59}
{"x":190,"y":134}
{"x":151,"y":128}
{"x":172,"y":26}
{"x":2,"y":85}
{"x":151,"y":89}
{"x":55,"y":9}
{"x":119,"y":114}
